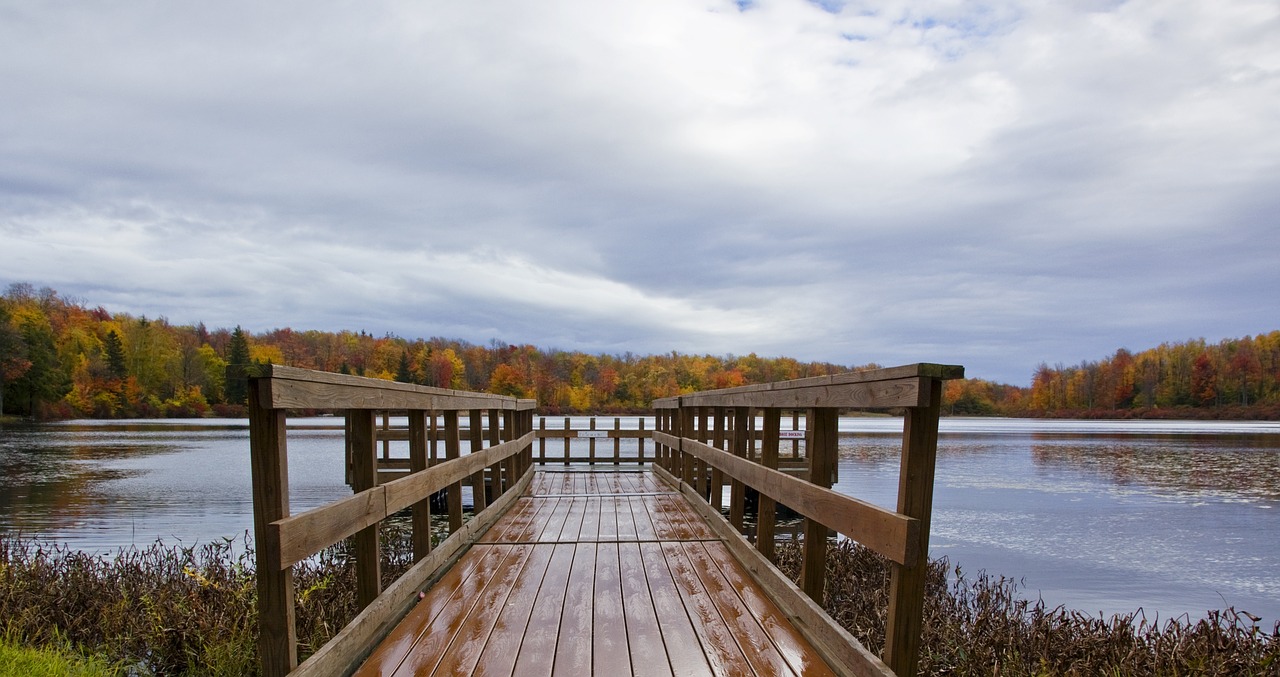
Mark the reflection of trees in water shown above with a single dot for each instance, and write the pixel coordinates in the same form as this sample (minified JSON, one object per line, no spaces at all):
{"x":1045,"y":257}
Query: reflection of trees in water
{"x":1244,"y":466}
{"x":870,"y":447}
{"x":878,"y":447}
{"x":51,"y":481}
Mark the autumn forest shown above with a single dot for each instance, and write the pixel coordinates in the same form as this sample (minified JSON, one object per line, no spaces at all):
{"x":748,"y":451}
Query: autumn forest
{"x":63,"y":358}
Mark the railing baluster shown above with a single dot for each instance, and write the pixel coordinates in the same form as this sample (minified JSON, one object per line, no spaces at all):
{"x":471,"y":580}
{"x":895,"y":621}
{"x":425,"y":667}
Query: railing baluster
{"x":640,"y":444}
{"x":915,"y":498}
{"x":766,"y":508}
{"x":822,"y":447}
{"x":542,"y":442}
{"x":277,"y":638}
{"x":717,"y":476}
{"x":419,"y":443}
{"x":364,"y":475}
{"x":475,"y":435}
{"x":566,"y":440}
{"x":452,"y":450}
{"x":737,"y":490}
{"x":498,"y":473}
{"x":591,"y":444}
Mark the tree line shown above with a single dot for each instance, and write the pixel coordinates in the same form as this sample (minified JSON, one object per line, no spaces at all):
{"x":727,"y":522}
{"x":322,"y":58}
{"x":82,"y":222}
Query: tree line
{"x":62,"y":358}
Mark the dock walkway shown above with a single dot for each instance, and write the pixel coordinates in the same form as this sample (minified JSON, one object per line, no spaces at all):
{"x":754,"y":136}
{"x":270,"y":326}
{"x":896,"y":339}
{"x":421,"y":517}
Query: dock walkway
{"x":600,"y":566}
{"x":601,"y":572}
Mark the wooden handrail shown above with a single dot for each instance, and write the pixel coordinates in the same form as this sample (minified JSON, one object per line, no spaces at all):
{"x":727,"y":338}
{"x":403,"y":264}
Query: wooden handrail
{"x":282,"y":540}
{"x":301,"y":536}
{"x":884,"y":531}
{"x":902,"y":536}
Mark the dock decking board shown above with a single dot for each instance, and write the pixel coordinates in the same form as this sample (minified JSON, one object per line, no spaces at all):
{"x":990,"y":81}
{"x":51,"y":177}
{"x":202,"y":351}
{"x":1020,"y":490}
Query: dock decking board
{"x":603,"y":572}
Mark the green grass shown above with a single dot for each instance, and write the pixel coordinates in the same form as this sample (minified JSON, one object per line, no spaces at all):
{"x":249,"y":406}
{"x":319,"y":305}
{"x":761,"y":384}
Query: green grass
{"x":50,"y":662}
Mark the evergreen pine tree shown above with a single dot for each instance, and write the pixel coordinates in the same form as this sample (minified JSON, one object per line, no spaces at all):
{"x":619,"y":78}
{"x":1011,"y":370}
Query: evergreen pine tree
{"x":238,"y":354}
{"x":115,"y":355}
{"x":404,"y":374}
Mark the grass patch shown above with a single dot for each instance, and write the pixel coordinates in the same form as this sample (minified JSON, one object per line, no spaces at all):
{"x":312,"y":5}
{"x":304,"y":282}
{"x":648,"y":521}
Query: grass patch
{"x":16,"y":660}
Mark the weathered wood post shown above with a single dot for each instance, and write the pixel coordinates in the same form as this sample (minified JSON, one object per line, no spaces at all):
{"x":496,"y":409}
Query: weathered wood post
{"x":475,"y":435}
{"x":717,"y":476}
{"x":277,"y":638}
{"x":740,"y":442}
{"x":419,"y":441}
{"x":452,"y":450}
{"x":364,"y":475}
{"x":766,"y":507}
{"x":915,"y":499}
{"x":822,"y":448}
{"x":640,"y":444}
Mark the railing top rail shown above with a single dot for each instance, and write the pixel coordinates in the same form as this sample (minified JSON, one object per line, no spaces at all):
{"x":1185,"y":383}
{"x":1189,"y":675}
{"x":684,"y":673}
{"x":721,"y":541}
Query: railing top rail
{"x":872,"y":388}
{"x":295,"y":388}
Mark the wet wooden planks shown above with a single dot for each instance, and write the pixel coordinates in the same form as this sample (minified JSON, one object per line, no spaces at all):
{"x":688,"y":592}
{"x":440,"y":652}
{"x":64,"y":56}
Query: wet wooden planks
{"x":606,"y":573}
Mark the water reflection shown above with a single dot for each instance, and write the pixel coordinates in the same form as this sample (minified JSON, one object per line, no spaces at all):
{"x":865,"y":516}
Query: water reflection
{"x":1175,"y":517}
{"x":1228,"y":467}
{"x":102,"y":485}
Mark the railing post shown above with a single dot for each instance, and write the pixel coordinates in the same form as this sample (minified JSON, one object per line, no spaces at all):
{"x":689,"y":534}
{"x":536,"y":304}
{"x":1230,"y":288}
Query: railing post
{"x":795,"y":443}
{"x":364,"y":475}
{"x":418,"y":452}
{"x":433,"y":437}
{"x":686,"y":429}
{"x":591,"y":444}
{"x":277,"y":638}
{"x":511,"y":431}
{"x":500,"y":472}
{"x":640,"y":443}
{"x":452,"y":450}
{"x":475,"y":422}
{"x":566,"y":440}
{"x":822,"y":448}
{"x":717,"y":476}
{"x":766,"y":508}
{"x":542,"y":442}
{"x":915,"y":497}
{"x":617,"y":441}
{"x":701,"y":467}
{"x":737,"y":490}
{"x":526,"y":426}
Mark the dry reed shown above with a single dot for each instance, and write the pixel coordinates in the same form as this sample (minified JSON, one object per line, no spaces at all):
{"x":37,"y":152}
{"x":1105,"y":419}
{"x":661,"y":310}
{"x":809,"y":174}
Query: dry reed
{"x":983,"y":626}
{"x":191,"y":610}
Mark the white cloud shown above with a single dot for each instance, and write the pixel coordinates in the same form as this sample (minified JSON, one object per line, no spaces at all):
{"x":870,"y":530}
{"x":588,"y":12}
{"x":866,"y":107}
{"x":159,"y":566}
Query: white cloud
{"x":1002,"y":183}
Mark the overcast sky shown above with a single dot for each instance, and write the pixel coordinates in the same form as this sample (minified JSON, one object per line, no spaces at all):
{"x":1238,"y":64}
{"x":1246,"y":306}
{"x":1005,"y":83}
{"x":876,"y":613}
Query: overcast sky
{"x":991,"y":184}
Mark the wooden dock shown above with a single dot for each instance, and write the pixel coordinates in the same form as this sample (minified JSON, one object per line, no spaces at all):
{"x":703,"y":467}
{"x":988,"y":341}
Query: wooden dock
{"x":597,"y":572}
{"x":595,"y":567}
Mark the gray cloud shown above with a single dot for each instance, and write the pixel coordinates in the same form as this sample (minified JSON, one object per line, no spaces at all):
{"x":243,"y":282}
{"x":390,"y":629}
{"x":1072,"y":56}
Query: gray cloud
{"x":891,"y":182}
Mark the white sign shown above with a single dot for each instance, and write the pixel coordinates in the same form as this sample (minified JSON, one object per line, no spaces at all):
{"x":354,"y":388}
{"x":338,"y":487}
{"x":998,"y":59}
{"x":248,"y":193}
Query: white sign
{"x":593,"y":433}
{"x":791,"y":434}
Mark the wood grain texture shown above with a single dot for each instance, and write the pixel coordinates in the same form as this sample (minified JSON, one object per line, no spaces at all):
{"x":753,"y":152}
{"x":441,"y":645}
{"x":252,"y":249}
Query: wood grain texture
{"x":843,"y":652}
{"x":269,"y":465}
{"x":303,"y":535}
{"x":342,"y":654}
{"x":903,"y":374}
{"x":884,"y":531}
{"x":915,"y":498}
{"x":294,"y":388}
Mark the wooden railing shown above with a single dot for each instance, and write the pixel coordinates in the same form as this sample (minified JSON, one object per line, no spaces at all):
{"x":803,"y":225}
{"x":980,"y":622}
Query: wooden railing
{"x":282,"y":539}
{"x":571,"y":443}
{"x":705,"y":437}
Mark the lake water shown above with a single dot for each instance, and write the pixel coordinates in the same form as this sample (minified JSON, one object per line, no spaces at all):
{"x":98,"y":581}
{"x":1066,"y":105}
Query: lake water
{"x":1104,"y":517}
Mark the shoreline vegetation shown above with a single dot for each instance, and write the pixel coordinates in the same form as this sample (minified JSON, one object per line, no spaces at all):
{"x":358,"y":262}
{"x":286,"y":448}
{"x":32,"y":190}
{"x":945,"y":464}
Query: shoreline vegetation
{"x":191,"y":610}
{"x":62,"y":358}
